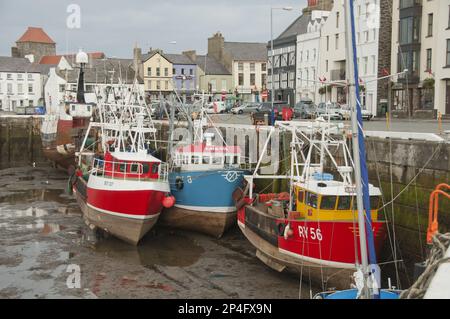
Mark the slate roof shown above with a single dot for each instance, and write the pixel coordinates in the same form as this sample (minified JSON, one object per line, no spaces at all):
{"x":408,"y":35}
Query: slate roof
{"x":36,"y":35}
{"x":213,"y":67}
{"x":299,"y":26}
{"x":100,"y":71}
{"x":20,"y":65}
{"x":246,"y":51}
{"x":178,"y":59}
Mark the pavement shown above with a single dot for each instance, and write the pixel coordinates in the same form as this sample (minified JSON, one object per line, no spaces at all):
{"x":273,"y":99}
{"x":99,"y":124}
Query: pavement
{"x":396,"y":125}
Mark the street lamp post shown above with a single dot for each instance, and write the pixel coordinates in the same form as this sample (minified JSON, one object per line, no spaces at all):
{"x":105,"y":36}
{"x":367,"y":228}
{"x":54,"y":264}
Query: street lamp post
{"x":272,"y":54}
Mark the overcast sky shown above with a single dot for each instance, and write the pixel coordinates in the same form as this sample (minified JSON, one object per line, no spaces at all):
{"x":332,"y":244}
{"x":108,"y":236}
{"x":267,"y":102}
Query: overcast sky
{"x":114,"y":26}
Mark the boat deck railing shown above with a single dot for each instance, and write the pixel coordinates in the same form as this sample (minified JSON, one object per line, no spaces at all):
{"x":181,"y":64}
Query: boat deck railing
{"x":129,"y":171}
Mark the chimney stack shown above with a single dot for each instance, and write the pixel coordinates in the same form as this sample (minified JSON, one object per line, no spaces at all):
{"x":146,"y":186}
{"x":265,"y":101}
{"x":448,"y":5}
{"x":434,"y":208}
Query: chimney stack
{"x":192,"y":54}
{"x":137,"y":61}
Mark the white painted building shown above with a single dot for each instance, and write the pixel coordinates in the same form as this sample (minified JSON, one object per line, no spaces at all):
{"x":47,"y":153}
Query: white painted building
{"x":308,"y":58}
{"x":21,"y":84}
{"x":99,"y":78}
{"x":332,"y":66}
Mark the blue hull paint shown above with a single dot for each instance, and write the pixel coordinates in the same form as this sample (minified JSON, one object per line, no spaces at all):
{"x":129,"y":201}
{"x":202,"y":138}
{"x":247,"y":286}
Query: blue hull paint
{"x":206,"y":190}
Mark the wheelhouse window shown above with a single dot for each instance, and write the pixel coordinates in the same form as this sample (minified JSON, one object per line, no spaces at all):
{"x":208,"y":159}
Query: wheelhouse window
{"x":344,"y":203}
{"x":328,"y":202}
{"x":311,"y":200}
{"x":375,"y":202}
{"x":301,"y":196}
{"x":135,"y":168}
{"x":155,"y":168}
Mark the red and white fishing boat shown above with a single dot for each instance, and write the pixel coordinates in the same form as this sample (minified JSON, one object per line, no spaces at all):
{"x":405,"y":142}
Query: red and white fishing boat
{"x":313,"y":228}
{"x":120,"y":186}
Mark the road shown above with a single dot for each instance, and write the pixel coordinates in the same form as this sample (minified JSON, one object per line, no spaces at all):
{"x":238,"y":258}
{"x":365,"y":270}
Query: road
{"x":397,"y":125}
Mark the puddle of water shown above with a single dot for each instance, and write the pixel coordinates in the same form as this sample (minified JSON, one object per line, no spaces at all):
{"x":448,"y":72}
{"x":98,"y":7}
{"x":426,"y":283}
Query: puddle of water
{"x":26,"y":178}
{"x":44,"y":195}
{"x":162,"y":249}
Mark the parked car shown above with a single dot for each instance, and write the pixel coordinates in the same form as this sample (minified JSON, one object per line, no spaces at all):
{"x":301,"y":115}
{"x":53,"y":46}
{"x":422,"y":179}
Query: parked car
{"x":346,"y":114}
{"x":246,"y":108}
{"x":305,"y":109}
{"x":216,"y":107}
{"x":277,"y":106}
{"x":330,"y":110}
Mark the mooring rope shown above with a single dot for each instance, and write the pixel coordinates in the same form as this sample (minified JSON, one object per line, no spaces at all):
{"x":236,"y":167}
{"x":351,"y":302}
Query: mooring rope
{"x":441,"y":244}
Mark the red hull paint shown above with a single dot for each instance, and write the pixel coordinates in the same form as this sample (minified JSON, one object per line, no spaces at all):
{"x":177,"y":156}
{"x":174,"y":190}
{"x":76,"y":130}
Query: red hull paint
{"x":328,"y":241}
{"x":139,"y":203}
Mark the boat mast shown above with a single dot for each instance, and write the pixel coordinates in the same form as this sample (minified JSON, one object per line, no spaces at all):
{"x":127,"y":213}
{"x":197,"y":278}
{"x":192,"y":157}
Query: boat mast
{"x":359,"y":154}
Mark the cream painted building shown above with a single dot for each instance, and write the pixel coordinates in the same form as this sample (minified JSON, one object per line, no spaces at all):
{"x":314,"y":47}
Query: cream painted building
{"x":332,"y":66}
{"x":421,"y":44}
{"x":157,"y":74}
{"x":212,"y":77}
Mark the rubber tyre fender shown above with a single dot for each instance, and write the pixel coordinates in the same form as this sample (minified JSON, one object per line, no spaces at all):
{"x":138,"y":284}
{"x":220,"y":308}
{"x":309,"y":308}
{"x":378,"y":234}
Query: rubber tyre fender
{"x":179,"y":184}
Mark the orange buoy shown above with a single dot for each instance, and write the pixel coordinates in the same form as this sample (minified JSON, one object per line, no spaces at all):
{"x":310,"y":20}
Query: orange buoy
{"x":168,"y":201}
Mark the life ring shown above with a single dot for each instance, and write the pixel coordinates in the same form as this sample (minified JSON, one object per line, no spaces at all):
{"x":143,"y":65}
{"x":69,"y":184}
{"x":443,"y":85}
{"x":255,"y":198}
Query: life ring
{"x":179,"y":184}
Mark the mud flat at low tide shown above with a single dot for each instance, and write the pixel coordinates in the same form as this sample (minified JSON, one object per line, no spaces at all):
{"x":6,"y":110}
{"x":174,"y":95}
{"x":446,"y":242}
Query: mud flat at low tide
{"x":47,"y":251}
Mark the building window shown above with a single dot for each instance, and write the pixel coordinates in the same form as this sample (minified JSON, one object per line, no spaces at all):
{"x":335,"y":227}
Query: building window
{"x":430,"y":25}
{"x":149,"y":85}
{"x":30,"y":88}
{"x":20,"y":88}
{"x":252,"y":67}
{"x":241,"y":66}
{"x":337,"y":42}
{"x":224,"y":85}
{"x":166,"y":85}
{"x":31,"y":103}
{"x":252,"y":79}
{"x":9,"y":76}
{"x":328,"y":42}
{"x":448,"y":52}
{"x":241,"y":79}
{"x":182,"y":71}
{"x":213,"y":85}
{"x":191,"y":71}
{"x":149,"y":71}
{"x":158,"y":85}
{"x":264,"y":67}
{"x":30,"y":77}
{"x":264,"y":80}
{"x":19,"y":77}
{"x":174,"y":72}
{"x":429,"y":60}
{"x":166,"y":71}
{"x":337,"y":20}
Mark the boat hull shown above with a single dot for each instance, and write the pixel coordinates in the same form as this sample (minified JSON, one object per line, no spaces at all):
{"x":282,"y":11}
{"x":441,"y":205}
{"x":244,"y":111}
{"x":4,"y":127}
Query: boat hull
{"x":59,"y":138}
{"x":324,"y":252}
{"x":127,"y":215}
{"x":204,"y":201}
{"x":210,"y":223}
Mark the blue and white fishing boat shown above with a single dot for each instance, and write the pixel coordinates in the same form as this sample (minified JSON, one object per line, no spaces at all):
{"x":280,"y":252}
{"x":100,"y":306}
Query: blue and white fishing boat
{"x":203,"y":177}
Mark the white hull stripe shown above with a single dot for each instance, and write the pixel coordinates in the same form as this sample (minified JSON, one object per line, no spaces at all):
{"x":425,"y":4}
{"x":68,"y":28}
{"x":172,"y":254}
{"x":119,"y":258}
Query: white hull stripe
{"x":117,"y":185}
{"x":241,"y":224}
{"x":140,"y":217}
{"x":327,"y":263}
{"x":208,"y":209}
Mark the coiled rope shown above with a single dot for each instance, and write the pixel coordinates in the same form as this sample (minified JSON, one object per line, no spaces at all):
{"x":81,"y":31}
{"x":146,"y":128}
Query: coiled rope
{"x":441,"y":244}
